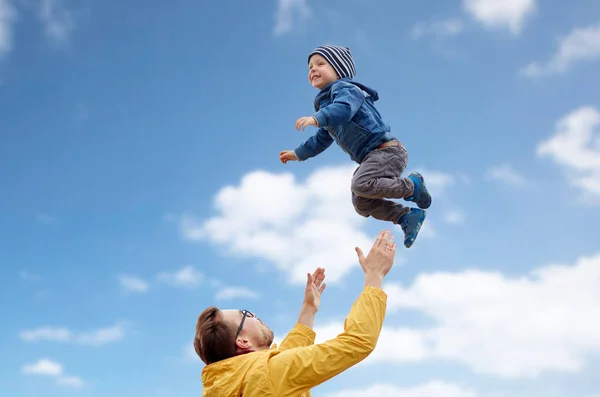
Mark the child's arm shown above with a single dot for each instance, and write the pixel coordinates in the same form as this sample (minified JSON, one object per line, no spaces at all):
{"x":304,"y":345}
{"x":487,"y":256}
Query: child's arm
{"x":346,"y":100}
{"x":314,"y":145}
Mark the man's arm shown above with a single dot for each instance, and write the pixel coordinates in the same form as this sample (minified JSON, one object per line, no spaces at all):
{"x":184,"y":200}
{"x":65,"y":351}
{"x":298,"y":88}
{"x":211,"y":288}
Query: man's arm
{"x":314,"y":145}
{"x":297,"y":370}
{"x":302,"y":334}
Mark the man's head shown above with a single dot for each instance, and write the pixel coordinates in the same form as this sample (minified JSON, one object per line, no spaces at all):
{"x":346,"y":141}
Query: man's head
{"x":221,"y":334}
{"x":328,"y":63}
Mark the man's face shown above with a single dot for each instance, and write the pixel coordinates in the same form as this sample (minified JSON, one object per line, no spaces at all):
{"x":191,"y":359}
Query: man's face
{"x":253,"y":331}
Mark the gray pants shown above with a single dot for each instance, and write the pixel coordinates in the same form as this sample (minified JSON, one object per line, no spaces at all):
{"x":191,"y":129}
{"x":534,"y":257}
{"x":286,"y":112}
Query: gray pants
{"x":379,"y":177}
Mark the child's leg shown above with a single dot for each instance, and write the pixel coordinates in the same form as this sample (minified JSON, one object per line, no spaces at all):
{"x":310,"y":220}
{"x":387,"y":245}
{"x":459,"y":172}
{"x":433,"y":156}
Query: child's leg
{"x":380,"y":176}
{"x":382,"y":209}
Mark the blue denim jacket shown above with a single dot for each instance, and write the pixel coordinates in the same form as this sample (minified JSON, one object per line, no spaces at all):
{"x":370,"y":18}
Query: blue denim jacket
{"x":347,"y":115}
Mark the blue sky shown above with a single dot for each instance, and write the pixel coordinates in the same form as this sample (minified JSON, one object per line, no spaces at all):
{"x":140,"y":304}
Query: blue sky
{"x":141,"y":183}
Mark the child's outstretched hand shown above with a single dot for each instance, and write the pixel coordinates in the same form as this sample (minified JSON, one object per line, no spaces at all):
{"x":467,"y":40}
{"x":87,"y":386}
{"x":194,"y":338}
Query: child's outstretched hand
{"x":287,"y":155}
{"x":303,"y":122}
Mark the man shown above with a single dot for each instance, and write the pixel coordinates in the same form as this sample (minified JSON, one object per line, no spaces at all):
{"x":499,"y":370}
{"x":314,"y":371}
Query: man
{"x":236,"y":345}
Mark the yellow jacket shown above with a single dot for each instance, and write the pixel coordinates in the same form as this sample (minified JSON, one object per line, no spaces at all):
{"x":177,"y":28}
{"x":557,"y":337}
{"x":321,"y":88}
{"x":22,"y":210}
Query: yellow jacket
{"x":299,"y":365}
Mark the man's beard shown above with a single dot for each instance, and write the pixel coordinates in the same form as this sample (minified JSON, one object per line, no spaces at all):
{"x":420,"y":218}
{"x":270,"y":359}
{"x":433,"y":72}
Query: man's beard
{"x":267,"y":337}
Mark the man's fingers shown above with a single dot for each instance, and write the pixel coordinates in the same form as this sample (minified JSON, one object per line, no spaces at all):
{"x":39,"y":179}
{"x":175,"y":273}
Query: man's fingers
{"x":379,"y":239}
{"x":322,"y":288}
{"x":360,"y":254}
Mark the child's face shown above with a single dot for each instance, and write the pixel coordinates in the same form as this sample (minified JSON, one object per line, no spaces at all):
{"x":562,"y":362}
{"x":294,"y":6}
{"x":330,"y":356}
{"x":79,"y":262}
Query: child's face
{"x":320,"y":72}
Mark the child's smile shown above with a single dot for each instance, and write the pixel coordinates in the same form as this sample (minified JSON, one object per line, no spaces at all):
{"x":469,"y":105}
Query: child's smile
{"x":320,"y":72}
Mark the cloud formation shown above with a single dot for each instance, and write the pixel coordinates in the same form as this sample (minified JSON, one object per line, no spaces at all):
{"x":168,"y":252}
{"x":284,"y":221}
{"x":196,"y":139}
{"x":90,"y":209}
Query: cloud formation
{"x":288,"y":14}
{"x":49,"y":368}
{"x":506,"y":14}
{"x":96,"y":337}
{"x":582,"y":44}
{"x":575,"y":146}
{"x":511,"y":327}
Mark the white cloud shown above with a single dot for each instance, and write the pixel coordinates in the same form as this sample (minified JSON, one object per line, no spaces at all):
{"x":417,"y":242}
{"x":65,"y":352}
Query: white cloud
{"x":186,"y":277}
{"x":546,"y":321}
{"x":288,"y":12}
{"x":454,"y":217}
{"x":294,"y":226}
{"x":505,"y":14}
{"x":71,"y":381}
{"x":43,"y":367}
{"x":575,"y":145}
{"x":47,"y":367}
{"x":54,"y":334}
{"x":447,"y":27}
{"x":520,"y":327}
{"x":8,"y":17}
{"x":580,"y":45}
{"x":430,"y":389}
{"x":133,"y":284}
{"x":505,"y":173}
{"x":57,"y":20}
{"x":236,"y":292}
{"x":60,"y":334}
{"x":102,"y":336}
{"x":402,"y":344}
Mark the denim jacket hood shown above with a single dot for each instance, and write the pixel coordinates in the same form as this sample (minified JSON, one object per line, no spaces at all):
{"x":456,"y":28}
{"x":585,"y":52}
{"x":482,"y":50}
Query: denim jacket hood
{"x":346,"y":114}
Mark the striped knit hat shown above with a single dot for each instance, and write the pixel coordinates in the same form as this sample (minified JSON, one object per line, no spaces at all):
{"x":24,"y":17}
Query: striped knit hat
{"x":339,"y":57}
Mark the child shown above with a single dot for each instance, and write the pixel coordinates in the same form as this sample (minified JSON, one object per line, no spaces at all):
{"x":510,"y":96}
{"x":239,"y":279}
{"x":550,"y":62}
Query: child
{"x":345,"y":113}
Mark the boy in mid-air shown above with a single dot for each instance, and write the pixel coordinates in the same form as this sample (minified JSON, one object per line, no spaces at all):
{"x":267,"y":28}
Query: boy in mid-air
{"x":345,"y":113}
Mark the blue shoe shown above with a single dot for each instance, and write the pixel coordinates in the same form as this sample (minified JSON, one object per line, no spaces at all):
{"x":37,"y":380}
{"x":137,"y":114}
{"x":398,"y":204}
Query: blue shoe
{"x":411,"y":225}
{"x":420,"y":195}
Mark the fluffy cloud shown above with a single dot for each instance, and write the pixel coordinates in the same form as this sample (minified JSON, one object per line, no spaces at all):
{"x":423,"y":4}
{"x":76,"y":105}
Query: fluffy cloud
{"x":54,"y":334}
{"x":296,"y":226}
{"x":506,"y":14}
{"x":186,"y":277}
{"x":43,"y":367}
{"x":430,"y":389}
{"x":580,"y":45}
{"x":288,"y":11}
{"x":97,"y":337}
{"x":505,"y":173}
{"x":47,"y":367}
{"x":133,"y":284}
{"x":575,"y":145}
{"x":546,"y":321}
{"x":7,"y":19}
{"x":394,"y":345}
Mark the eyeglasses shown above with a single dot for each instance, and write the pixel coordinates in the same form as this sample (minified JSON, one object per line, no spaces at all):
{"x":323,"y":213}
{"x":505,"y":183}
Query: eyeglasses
{"x":245,"y":313}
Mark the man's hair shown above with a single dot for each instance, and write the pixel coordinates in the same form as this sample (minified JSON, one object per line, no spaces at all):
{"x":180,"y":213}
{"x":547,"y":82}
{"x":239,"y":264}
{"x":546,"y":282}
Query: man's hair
{"x":215,"y":339}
